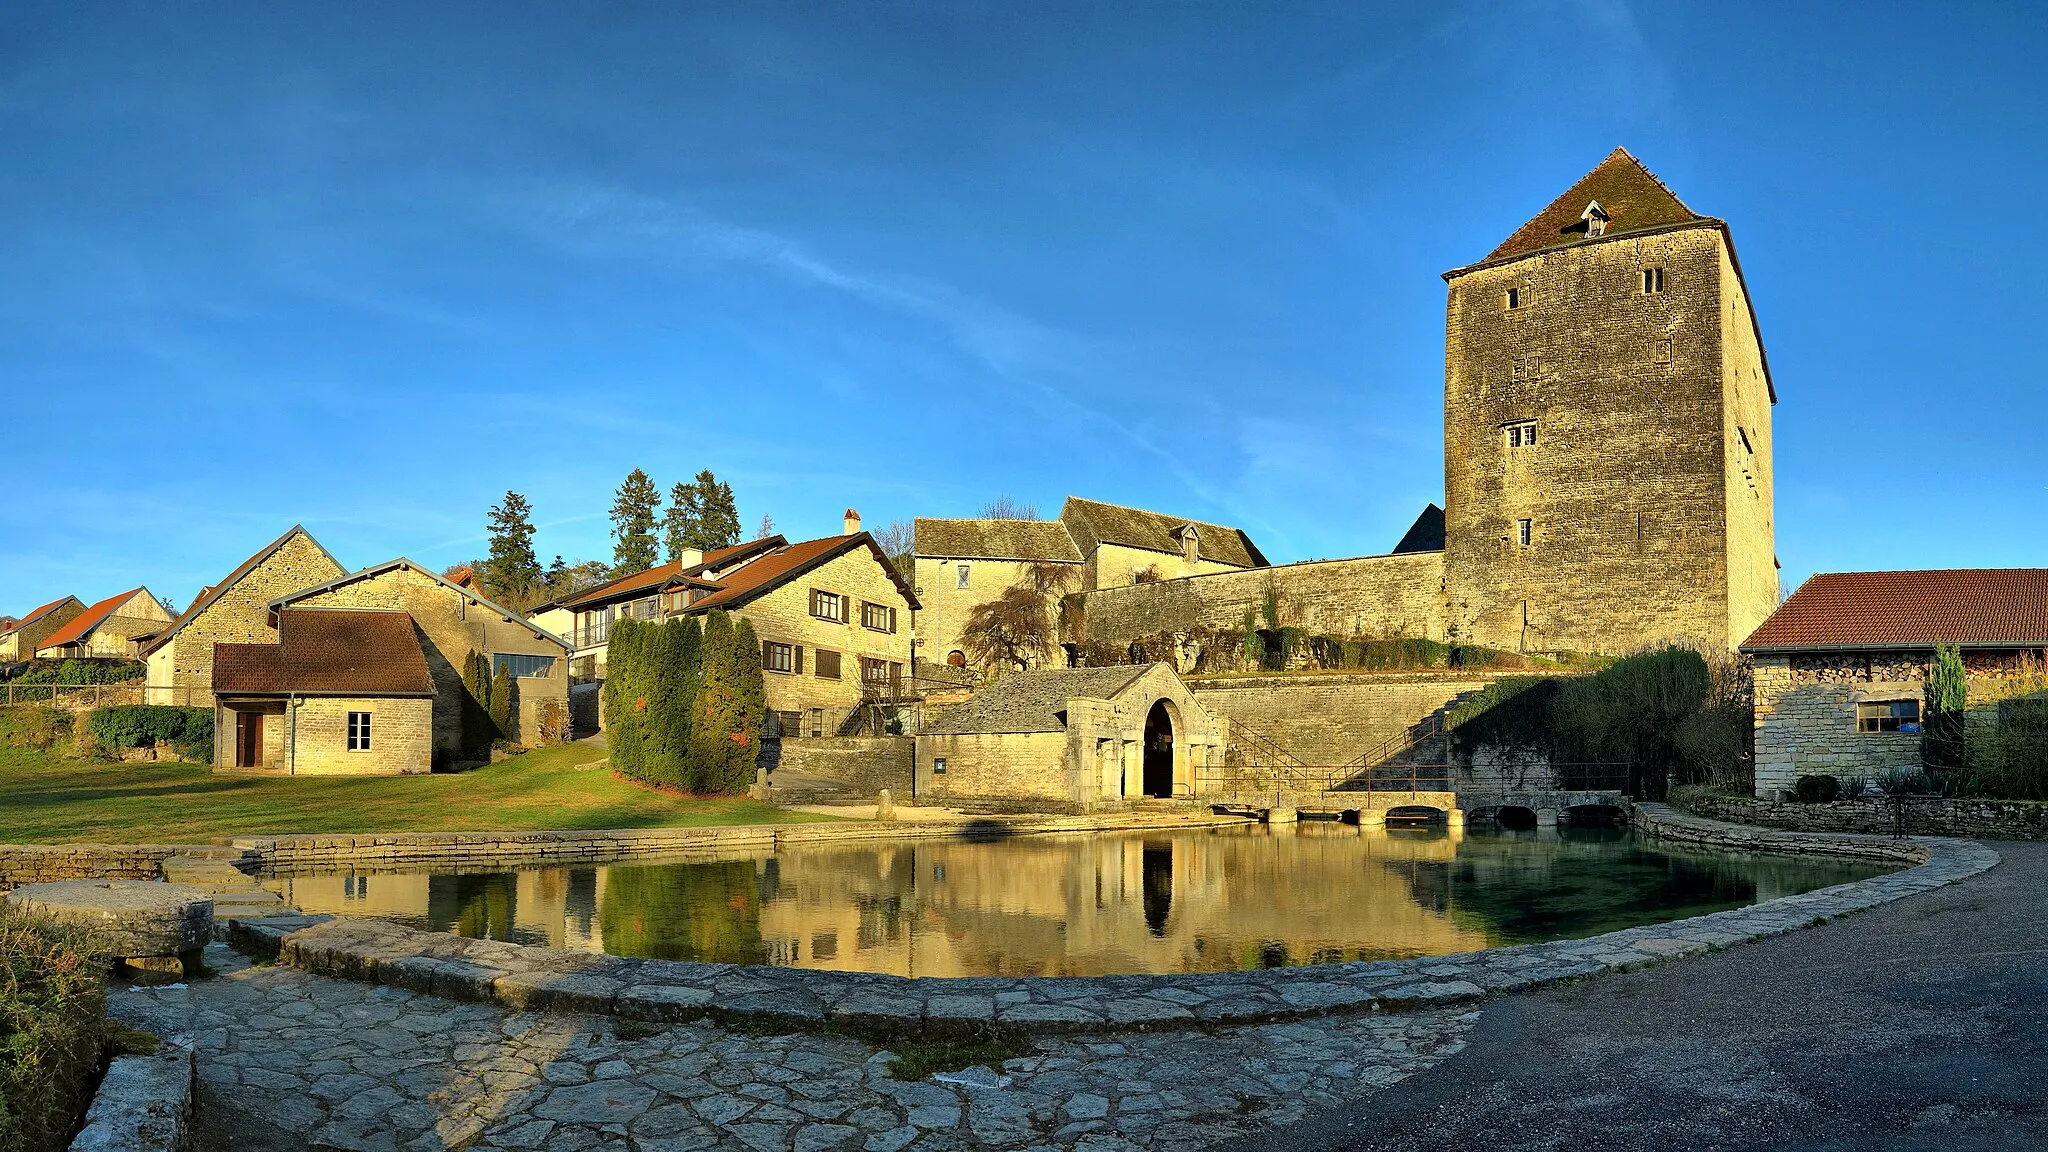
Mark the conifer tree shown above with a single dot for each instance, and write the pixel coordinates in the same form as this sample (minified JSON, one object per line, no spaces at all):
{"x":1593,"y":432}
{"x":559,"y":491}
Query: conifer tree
{"x":501,"y":705}
{"x":476,"y":704}
{"x":625,"y":700}
{"x":512,"y":571}
{"x":750,"y":709}
{"x":635,"y":516}
{"x":721,"y":516}
{"x":711,"y":717}
{"x":682,"y":524}
{"x":1942,"y":743}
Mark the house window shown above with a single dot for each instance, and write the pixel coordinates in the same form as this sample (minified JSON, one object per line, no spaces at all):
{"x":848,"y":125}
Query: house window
{"x":938,"y":765}
{"x":517,"y":665}
{"x":963,"y":577}
{"x":359,"y":731}
{"x":1888,"y":716}
{"x":828,"y":606}
{"x":877,"y":617}
{"x":1521,"y":434}
{"x":778,"y":657}
{"x":1660,"y":352}
{"x":1653,"y":281}
{"x":1511,"y":300}
{"x":826,"y":664}
{"x":1525,"y":531}
{"x":875,"y":673}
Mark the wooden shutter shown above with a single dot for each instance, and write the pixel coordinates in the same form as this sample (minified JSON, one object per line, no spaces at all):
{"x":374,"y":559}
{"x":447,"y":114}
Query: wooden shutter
{"x":768,"y":654}
{"x":796,"y":658}
{"x":892,"y":620}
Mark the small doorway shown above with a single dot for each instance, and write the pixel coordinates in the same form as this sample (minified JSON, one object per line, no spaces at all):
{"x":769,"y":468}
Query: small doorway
{"x":1158,"y":780}
{"x":248,"y":739}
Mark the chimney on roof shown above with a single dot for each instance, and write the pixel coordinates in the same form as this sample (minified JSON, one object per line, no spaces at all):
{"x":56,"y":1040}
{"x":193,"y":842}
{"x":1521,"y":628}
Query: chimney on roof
{"x":852,"y":522}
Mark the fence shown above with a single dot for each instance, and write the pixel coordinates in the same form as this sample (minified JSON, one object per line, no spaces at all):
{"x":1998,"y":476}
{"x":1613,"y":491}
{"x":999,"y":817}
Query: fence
{"x":83,"y":697}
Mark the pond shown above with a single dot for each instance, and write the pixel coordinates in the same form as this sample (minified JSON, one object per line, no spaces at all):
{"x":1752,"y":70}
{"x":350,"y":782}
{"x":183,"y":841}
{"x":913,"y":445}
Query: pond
{"x":1091,"y":904}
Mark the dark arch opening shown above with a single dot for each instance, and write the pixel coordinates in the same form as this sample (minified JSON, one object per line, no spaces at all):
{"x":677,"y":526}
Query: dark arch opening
{"x":957,"y":658}
{"x":1414,"y":815}
{"x":1158,"y":779}
{"x":1515,"y":818}
{"x":1595,"y":816}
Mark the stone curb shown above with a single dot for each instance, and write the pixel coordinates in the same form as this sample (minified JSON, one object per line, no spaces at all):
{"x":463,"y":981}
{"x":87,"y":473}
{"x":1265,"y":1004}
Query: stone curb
{"x":144,"y":1105}
{"x":525,"y":978}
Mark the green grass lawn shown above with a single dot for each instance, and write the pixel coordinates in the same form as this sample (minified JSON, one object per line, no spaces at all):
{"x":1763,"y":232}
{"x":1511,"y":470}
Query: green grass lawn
{"x":50,"y":801}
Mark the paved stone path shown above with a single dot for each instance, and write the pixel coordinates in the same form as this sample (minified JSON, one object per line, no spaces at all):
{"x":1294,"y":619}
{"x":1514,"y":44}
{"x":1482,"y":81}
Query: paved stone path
{"x":293,"y":1060}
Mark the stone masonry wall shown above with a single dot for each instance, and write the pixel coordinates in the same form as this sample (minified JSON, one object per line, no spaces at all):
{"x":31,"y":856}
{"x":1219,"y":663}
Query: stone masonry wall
{"x":1331,"y":719}
{"x":241,"y":615}
{"x":945,"y":604}
{"x":1878,"y":815}
{"x":401,"y":737}
{"x":1627,"y":486}
{"x":1371,"y":596}
{"x":983,"y":768}
{"x":450,"y":626}
{"x":866,"y":764}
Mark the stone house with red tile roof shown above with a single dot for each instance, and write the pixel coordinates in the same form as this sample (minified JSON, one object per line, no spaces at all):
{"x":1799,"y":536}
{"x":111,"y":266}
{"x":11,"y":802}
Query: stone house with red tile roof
{"x":340,"y":692}
{"x":1841,"y":667}
{"x":22,"y":638}
{"x":114,"y":628}
{"x":833,"y":616}
{"x":234,"y":611}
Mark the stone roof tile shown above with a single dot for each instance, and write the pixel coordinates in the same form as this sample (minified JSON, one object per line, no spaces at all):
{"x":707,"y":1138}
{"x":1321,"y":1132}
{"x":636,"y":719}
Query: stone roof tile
{"x":1032,"y":701}
{"x":994,"y":540}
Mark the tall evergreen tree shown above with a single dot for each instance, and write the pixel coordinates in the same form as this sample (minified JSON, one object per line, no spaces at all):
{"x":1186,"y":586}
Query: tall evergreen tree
{"x":750,"y":708}
{"x":673,"y":697}
{"x":557,"y":578}
{"x":720,"y":526}
{"x":512,"y":571}
{"x":501,"y":705}
{"x":682,"y":524}
{"x":1942,"y":743}
{"x":635,"y":516}
{"x":625,"y":697}
{"x":476,"y":704}
{"x":711,"y":717}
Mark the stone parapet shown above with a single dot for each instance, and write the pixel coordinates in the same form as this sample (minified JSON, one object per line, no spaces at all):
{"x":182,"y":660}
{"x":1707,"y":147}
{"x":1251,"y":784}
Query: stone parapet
{"x":22,"y":864}
{"x":532,"y":978}
{"x":1917,"y":815}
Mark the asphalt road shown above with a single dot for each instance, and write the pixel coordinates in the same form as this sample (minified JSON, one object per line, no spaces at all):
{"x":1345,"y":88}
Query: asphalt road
{"x":1922,"y":1024}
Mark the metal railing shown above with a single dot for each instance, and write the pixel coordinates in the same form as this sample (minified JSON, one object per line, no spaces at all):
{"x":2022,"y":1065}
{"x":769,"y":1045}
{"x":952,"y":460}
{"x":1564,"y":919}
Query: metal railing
{"x":1313,"y":784}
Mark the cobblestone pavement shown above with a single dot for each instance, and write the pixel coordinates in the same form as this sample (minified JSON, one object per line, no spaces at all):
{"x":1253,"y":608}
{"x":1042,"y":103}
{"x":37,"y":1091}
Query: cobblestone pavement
{"x":292,"y":1060}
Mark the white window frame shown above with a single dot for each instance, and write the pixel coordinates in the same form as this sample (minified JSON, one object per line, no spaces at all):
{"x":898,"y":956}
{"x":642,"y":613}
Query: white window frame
{"x":963,"y":577}
{"x":1525,"y":532}
{"x":1519,"y":434}
{"x":359,"y":732}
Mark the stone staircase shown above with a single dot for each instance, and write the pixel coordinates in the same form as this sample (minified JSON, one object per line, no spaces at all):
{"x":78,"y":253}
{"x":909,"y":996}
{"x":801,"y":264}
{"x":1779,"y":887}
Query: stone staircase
{"x":235,"y":895}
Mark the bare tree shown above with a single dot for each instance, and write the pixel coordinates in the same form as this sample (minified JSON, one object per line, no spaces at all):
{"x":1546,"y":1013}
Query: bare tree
{"x":1005,"y":507}
{"x":898,"y":541}
{"x":767,"y":527}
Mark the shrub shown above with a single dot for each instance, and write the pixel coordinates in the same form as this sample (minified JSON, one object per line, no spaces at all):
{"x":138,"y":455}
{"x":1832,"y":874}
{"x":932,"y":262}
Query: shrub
{"x":554,"y":723}
{"x":1942,"y":745}
{"x":1713,"y":747}
{"x":1905,"y":782}
{"x":1816,"y":789}
{"x":33,"y":726}
{"x":477,"y":733}
{"x":52,"y":995}
{"x":188,"y":730}
{"x":74,"y":671}
{"x":625,"y":695}
{"x":501,"y":705}
{"x":2010,"y":758}
{"x":725,"y":723}
{"x":1631,"y":711}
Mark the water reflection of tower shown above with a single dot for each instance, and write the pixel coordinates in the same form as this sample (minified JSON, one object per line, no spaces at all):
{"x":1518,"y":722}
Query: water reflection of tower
{"x":1156,"y":869}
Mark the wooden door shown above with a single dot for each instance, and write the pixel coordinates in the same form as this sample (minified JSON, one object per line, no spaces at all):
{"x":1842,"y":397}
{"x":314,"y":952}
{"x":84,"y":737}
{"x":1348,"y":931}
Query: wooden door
{"x":248,"y":739}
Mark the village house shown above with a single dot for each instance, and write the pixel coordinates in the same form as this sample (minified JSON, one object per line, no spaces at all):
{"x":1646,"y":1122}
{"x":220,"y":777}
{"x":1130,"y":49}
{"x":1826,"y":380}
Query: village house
{"x":341,"y":691}
{"x":1076,"y":738}
{"x":453,"y":620}
{"x":1841,"y":667}
{"x":25,"y":635}
{"x":960,"y":564}
{"x":114,"y":628}
{"x":234,"y":611}
{"x":833,"y":616}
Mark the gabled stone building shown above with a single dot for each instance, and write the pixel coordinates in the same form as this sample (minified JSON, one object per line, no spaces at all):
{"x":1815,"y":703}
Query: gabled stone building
{"x":234,"y":611}
{"x":340,"y":692}
{"x":24,"y":636}
{"x":1075,"y":738}
{"x":115,"y":628}
{"x":451,"y":621}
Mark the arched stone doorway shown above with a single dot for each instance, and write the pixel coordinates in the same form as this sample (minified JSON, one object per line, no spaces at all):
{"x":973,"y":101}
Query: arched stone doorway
{"x":1159,"y":738}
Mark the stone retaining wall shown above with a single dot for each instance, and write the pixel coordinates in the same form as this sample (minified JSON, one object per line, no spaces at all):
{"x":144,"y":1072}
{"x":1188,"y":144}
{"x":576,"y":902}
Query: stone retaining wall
{"x":534,"y":978}
{"x":22,"y":864}
{"x":1879,"y":815}
{"x":865,"y":764}
{"x":1333,"y":718}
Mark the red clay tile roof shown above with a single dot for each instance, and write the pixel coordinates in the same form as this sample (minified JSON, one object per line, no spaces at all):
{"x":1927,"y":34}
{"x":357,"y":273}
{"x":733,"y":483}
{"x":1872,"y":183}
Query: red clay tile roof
{"x":83,"y":624}
{"x":1972,"y":607}
{"x":328,"y":652}
{"x":759,"y":577}
{"x":1632,"y":198}
{"x":661,"y":574}
{"x":37,"y":613}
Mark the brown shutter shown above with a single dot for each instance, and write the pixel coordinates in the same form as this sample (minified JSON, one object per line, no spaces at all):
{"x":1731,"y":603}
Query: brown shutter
{"x":892,"y":620}
{"x":767,"y":646}
{"x":796,"y":659}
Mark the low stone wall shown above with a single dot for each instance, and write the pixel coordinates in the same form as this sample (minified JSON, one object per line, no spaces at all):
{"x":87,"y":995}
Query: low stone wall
{"x":532,"y":978}
{"x":1879,"y":815}
{"x":23,"y":864}
{"x":144,"y":1105}
{"x":863,"y":764}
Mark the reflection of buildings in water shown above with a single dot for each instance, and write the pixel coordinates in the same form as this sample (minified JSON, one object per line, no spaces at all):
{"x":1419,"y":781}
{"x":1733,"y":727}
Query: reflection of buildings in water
{"x":552,"y":905}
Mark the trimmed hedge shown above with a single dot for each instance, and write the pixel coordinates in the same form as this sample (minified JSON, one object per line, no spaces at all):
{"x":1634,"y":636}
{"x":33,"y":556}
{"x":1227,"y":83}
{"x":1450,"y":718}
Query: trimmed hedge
{"x":52,"y":996}
{"x":189,"y":730}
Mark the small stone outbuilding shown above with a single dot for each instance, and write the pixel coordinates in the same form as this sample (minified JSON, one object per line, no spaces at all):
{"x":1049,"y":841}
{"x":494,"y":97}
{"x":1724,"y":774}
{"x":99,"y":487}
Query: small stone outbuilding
{"x":1069,"y":739}
{"x":342,"y":692}
{"x":115,"y":628}
{"x":21,"y":638}
{"x":1841,"y":667}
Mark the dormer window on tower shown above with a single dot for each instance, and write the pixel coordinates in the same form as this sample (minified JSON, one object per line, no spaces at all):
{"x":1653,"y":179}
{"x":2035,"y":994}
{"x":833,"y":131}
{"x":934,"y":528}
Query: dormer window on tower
{"x":1190,"y":544}
{"x":1596,"y":219}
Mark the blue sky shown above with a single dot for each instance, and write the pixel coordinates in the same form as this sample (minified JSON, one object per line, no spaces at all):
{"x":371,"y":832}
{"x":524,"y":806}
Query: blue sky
{"x":367,"y":266}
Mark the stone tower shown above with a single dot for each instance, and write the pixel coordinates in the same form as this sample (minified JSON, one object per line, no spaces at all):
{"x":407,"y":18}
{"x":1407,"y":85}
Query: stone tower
{"x":1607,"y":429}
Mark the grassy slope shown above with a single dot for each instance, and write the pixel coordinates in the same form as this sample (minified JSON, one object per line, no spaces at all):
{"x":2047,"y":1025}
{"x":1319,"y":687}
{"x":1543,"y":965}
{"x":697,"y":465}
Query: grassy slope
{"x":47,"y":801}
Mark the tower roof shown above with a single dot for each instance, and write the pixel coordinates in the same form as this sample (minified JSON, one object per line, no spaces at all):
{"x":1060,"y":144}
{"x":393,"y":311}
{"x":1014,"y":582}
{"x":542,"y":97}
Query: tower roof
{"x":1631,"y":198}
